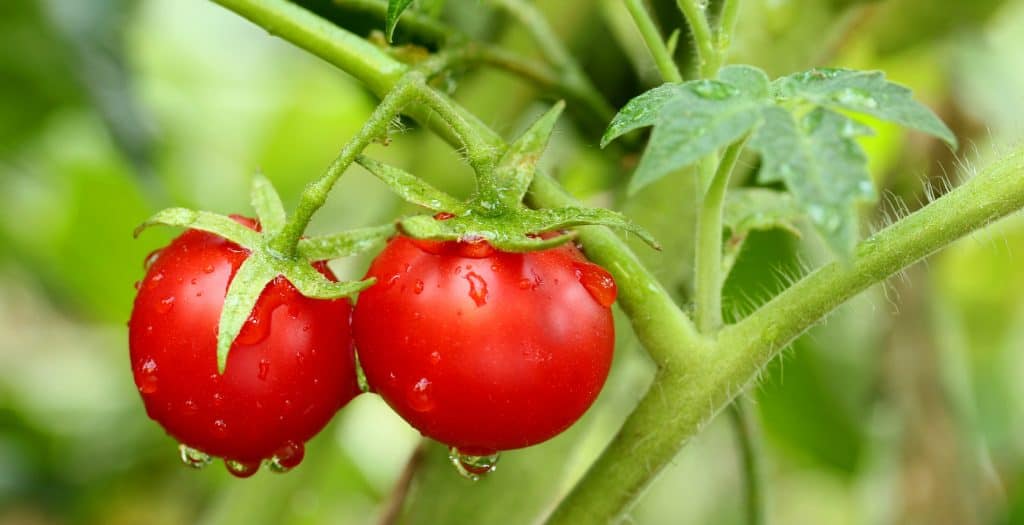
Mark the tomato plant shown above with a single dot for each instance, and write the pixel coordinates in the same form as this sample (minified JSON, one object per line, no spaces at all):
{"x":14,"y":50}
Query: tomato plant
{"x":290,"y":369}
{"x":485,"y":350}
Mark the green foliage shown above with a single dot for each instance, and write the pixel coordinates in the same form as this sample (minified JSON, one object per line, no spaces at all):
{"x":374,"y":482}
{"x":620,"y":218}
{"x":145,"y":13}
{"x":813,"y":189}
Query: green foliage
{"x":803,"y":141}
{"x":395,"y":10}
{"x":748,"y":209}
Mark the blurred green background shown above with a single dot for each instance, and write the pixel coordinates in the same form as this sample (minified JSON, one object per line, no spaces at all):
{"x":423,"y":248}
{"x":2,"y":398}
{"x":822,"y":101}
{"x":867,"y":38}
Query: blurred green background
{"x":907,"y":406}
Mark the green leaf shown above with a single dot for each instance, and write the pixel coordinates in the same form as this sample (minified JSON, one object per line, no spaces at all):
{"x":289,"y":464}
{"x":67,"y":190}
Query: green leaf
{"x":823,"y":167}
{"x":395,"y":10}
{"x":244,"y":291}
{"x":551,"y":219}
{"x":267,"y":204}
{"x":411,"y":188}
{"x":748,"y":79}
{"x":313,"y":284}
{"x":344,"y":244}
{"x":705,"y":116}
{"x":748,"y":209}
{"x":640,"y":112}
{"x":866,"y":92}
{"x":200,"y":220}
{"x":515,"y":169}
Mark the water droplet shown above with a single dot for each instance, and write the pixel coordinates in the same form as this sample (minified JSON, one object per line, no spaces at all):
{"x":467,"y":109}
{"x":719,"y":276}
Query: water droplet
{"x":164,"y":305}
{"x":287,"y":457}
{"x":472,"y":467}
{"x":146,"y":379}
{"x":137,"y":284}
{"x":393,"y":279}
{"x":855,"y":97}
{"x":477,"y":288}
{"x":475,"y":249}
{"x":218,"y":399}
{"x":208,"y":268}
{"x":435,"y":357}
{"x":154,"y":280}
{"x":443,"y":216}
{"x":417,"y":288}
{"x":598,"y":282}
{"x":220,"y":428}
{"x":194,"y":281}
{"x":300,"y":358}
{"x":264,"y":369}
{"x":713,"y":90}
{"x":151,"y":258}
{"x":241,"y":469}
{"x":192,"y":457}
{"x":255,"y":329}
{"x":190,"y":407}
{"x":419,"y":396}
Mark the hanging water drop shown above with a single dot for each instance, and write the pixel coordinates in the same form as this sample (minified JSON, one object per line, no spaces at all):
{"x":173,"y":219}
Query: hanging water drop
{"x":241,"y":469}
{"x":192,"y":457}
{"x":472,"y":467}
{"x":287,"y":457}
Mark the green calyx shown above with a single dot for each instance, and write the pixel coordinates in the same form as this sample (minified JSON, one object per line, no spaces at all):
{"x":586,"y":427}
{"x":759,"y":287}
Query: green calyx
{"x":265,"y":264}
{"x":496,"y":213}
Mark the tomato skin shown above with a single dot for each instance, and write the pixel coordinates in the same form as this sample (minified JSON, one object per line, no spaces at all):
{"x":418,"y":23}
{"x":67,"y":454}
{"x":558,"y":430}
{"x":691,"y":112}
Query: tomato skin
{"x":290,"y":369}
{"x":485,"y":350}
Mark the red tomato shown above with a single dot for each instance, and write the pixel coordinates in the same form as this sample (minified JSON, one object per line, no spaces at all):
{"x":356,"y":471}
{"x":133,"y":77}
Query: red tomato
{"x":485,"y":350}
{"x":290,"y":369}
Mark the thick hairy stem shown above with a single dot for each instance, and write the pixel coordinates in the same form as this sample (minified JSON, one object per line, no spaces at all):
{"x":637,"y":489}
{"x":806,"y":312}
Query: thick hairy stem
{"x":652,"y":38}
{"x":680,"y":402}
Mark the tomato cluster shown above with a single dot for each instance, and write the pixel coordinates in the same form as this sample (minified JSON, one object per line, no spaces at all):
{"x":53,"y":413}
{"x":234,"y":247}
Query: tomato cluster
{"x":480,"y":349}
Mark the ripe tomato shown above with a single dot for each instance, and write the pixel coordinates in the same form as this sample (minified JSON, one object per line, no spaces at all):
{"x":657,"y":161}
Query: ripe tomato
{"x":290,"y":369}
{"x":485,"y":350}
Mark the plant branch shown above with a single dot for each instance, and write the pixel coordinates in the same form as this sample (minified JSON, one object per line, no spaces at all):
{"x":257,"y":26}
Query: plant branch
{"x":681,"y":401}
{"x":556,"y":53}
{"x":708,"y":268}
{"x":662,"y":57}
{"x":393,"y":506}
{"x":750,"y":466}
{"x":695,"y":13}
{"x":727,"y":18}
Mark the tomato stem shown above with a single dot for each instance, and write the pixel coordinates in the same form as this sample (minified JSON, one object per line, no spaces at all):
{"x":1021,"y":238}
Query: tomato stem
{"x":652,"y":38}
{"x":315,"y":194}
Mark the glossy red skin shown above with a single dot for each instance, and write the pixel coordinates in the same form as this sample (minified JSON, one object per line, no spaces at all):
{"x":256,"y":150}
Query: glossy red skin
{"x":284,"y":380}
{"x":483,"y":372}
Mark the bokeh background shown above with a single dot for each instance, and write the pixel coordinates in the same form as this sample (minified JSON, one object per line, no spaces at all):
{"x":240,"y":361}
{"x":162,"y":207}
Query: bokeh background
{"x":907,"y":406}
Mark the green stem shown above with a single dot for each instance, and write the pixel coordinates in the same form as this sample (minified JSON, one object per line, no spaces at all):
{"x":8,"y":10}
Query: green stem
{"x":707,"y":54}
{"x":667,"y":334}
{"x":315,"y":194}
{"x":662,"y":57}
{"x":680,"y":402}
{"x":750,"y":466}
{"x":726,"y":27}
{"x":551,"y":47}
{"x":708,"y":267}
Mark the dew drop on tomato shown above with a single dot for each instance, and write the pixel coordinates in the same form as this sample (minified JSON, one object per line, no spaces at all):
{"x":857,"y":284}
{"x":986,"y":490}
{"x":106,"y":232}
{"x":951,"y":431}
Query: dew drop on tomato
{"x":598,"y":282}
{"x":241,"y":469}
{"x":264,"y":369}
{"x":146,"y":379}
{"x":208,"y":268}
{"x":420,"y":398}
{"x":193,"y":458}
{"x":417,"y":288}
{"x":220,"y":428}
{"x":287,"y":457}
{"x":190,"y":407}
{"x":164,"y":305}
{"x":477,"y":288}
{"x":151,"y":258}
{"x":435,"y":357}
